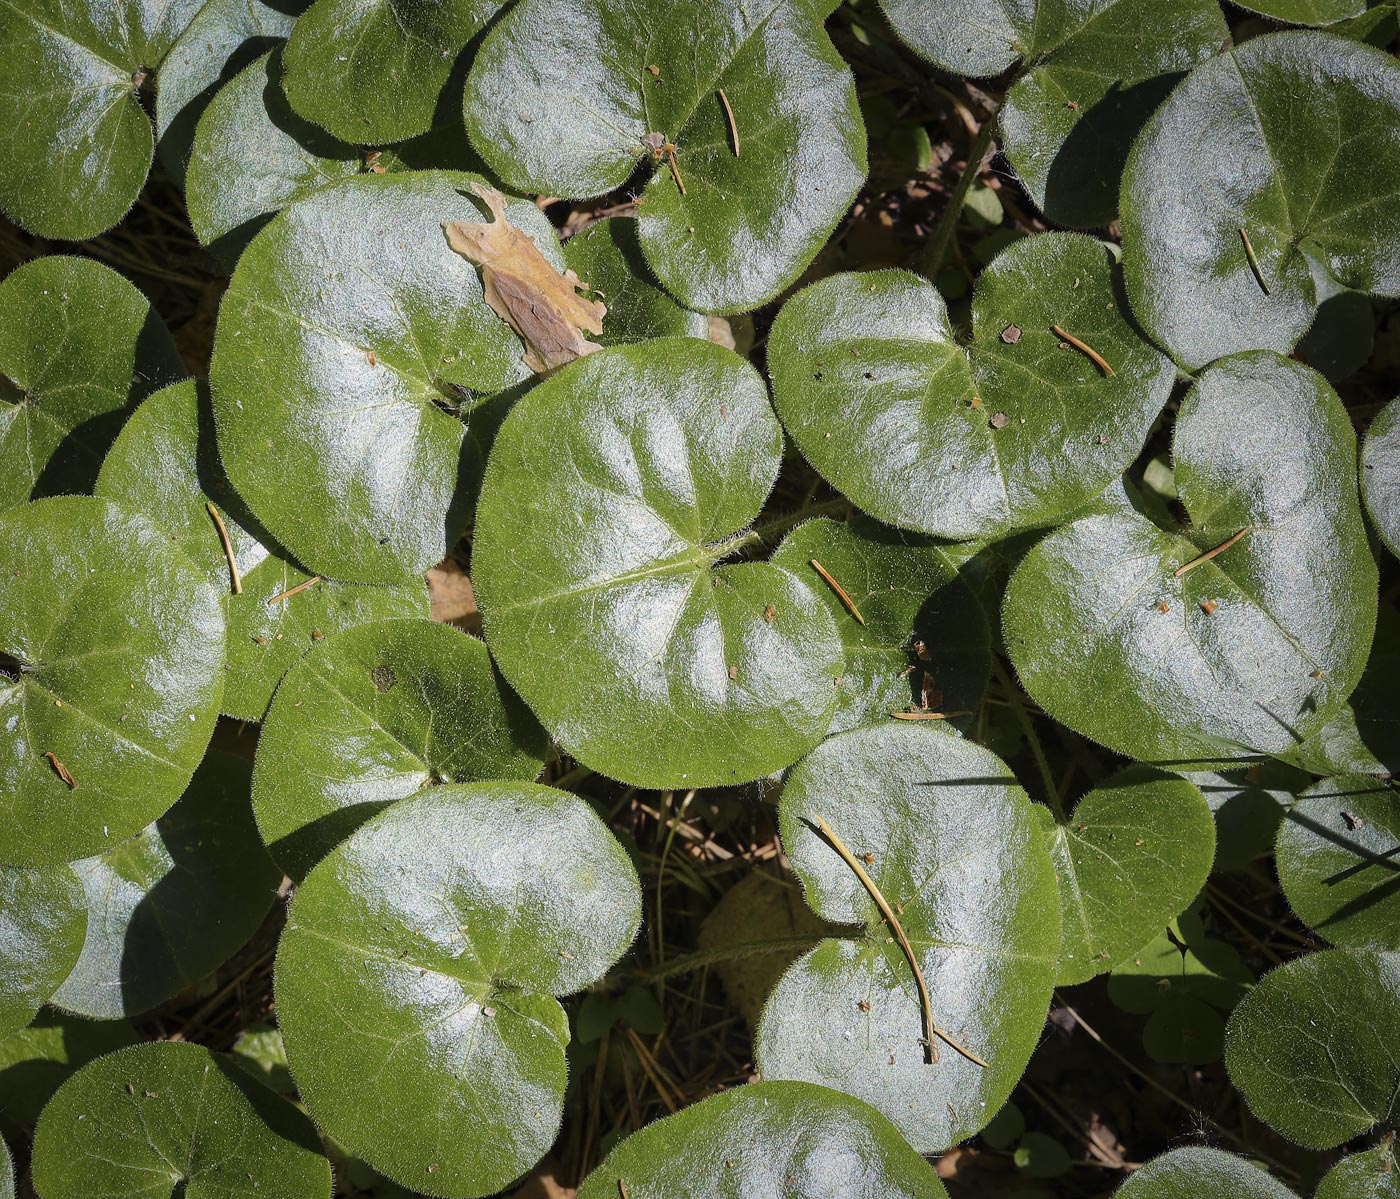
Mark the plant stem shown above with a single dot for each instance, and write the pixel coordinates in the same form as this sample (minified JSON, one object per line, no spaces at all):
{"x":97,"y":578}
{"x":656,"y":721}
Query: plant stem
{"x":724,"y":953}
{"x":1018,"y":706}
{"x":931,"y":260}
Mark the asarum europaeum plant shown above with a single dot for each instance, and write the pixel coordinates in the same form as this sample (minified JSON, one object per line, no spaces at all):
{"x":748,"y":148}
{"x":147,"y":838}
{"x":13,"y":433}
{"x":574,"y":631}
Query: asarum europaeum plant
{"x":848,"y":548}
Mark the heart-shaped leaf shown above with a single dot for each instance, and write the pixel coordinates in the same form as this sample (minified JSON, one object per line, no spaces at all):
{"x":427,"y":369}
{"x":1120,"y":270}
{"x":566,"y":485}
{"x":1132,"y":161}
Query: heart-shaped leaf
{"x":42,"y":917}
{"x":1315,"y":1047}
{"x":373,"y":71}
{"x":1220,"y":249}
{"x":1171,"y":647}
{"x":951,"y":844}
{"x":176,"y":901}
{"x":744,"y":114}
{"x":772,"y":1138}
{"x":78,"y":345}
{"x":1339,"y":861}
{"x":613,"y":490}
{"x":374,"y":715}
{"x":111,"y":667}
{"x":1195,"y":1172}
{"x":419,"y":969}
{"x":36,"y":1061}
{"x":350,"y":343}
{"x":1380,"y":474}
{"x":1012,"y":433}
{"x":1306,"y":12}
{"x":179,"y":1118}
{"x":79,"y":142}
{"x":1370,"y":1175}
{"x":921,"y":639}
{"x":1136,"y":851}
{"x":166,"y":465}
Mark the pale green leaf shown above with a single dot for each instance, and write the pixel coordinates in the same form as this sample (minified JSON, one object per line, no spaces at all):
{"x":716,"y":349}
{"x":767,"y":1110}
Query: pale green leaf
{"x":1369,"y":1175}
{"x":35,"y":1061}
{"x":1380,"y":474}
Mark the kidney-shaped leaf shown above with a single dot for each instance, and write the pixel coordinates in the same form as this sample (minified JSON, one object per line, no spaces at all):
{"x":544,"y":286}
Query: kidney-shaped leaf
{"x":1315,"y":1047}
{"x":1339,"y":861}
{"x":1200,"y":1173}
{"x":613,"y":490}
{"x":922,"y":637}
{"x":418,"y":974}
{"x":165,"y":464}
{"x":42,"y":917}
{"x":952,"y":845}
{"x":111,"y":666}
{"x":1380,"y":473}
{"x":1011,"y":433}
{"x":1116,"y":633}
{"x":179,"y":1118}
{"x":772,"y":1138}
{"x":1135,"y":852}
{"x":350,"y":342}
{"x":1219,"y":249}
{"x":173,"y":903}
{"x":78,"y":344}
{"x":568,"y":96}
{"x":374,"y":715}
{"x":1370,"y":1175}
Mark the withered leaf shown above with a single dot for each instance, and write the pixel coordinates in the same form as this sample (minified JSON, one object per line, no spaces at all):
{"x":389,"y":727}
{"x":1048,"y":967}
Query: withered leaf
{"x":524,"y":290}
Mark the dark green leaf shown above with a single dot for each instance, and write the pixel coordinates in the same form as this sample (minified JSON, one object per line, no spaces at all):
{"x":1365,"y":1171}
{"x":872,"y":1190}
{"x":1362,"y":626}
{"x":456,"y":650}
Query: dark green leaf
{"x":42,"y":918}
{"x":173,"y":903}
{"x":1247,"y":653}
{"x":259,"y":1050}
{"x":1380,"y":474}
{"x":7,"y":1173}
{"x":183,"y":1119}
{"x":1292,"y":121}
{"x":1195,"y":1173}
{"x":1343,"y":335}
{"x":1012,"y":433}
{"x":35,"y":1061}
{"x":563,"y":92}
{"x":374,"y":715}
{"x":111,"y":659}
{"x":1306,"y":12}
{"x":418,"y":974}
{"x":1315,"y":1047}
{"x":1248,"y":807}
{"x":613,"y":491}
{"x":952,"y":843}
{"x":78,"y":345}
{"x":1369,"y":1175}
{"x":773,"y":1138}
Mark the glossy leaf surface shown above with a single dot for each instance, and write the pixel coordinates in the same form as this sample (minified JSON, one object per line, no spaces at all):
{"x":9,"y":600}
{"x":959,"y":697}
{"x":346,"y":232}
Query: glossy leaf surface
{"x":1193,"y":1173}
{"x":112,"y":644}
{"x":563,"y":92}
{"x":770,"y":1138}
{"x":1012,"y":433}
{"x":373,"y":716}
{"x":173,"y":903}
{"x":1291,"y":120}
{"x":614,"y":492}
{"x":1307,"y":12}
{"x":42,"y":918}
{"x":1380,"y":474}
{"x":1249,"y":652}
{"x":957,"y":853}
{"x":418,"y":972}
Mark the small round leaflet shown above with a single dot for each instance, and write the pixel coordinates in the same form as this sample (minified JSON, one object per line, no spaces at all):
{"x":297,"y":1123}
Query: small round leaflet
{"x":1197,"y":1173}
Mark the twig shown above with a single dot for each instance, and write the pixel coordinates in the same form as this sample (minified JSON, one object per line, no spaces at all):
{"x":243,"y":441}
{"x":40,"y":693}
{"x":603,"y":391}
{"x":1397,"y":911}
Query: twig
{"x":228,"y":548}
{"x":61,"y":770}
{"x":300,"y":587}
{"x":840,"y":591}
{"x":1209,"y":554}
{"x":1254,"y":261}
{"x":931,"y":1030}
{"x":930,"y":715}
{"x":733,"y":128}
{"x":675,"y":170}
{"x":1088,"y":351}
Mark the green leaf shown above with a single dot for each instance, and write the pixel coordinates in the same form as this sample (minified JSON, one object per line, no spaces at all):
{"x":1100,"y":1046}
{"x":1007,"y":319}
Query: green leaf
{"x":1292,"y":120}
{"x":1380,"y":474}
{"x":181,"y":1117}
{"x":1135,"y":853}
{"x":7,"y":1173}
{"x":879,"y":396}
{"x":563,"y":92}
{"x":79,"y":142}
{"x":1042,"y":1156}
{"x":1248,"y":807}
{"x":351,"y":342}
{"x":924,"y":636}
{"x":42,"y":918}
{"x":1315,"y":1047}
{"x":111,"y":659}
{"x":1339,"y":861}
{"x":1369,"y":1175}
{"x":613,"y":491}
{"x":1306,"y":12}
{"x":958,"y":855}
{"x":172,"y":904}
{"x":78,"y":345}
{"x":372,"y":716}
{"x":223,"y":38}
{"x":608,"y":257}
{"x":418,"y":973}
{"x":1194,"y":1172}
{"x":772,"y":1138}
{"x":1258,"y":647}
{"x":35,"y":1061}
{"x":373,"y":70}
{"x":259,"y":1050}
{"x":166,"y":465}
